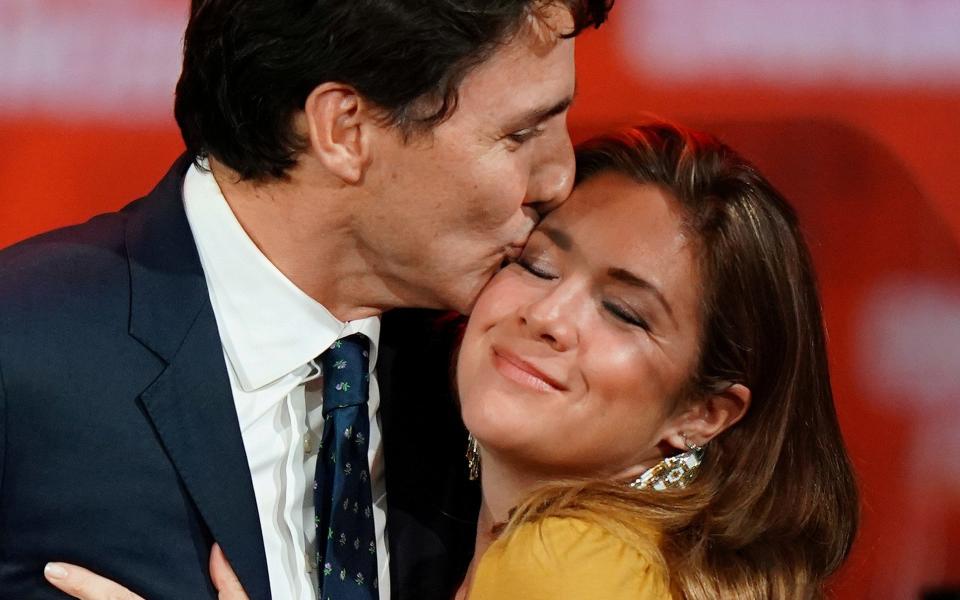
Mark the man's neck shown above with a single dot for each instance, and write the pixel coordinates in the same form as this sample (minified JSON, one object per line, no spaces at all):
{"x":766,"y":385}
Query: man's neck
{"x":303,"y":225}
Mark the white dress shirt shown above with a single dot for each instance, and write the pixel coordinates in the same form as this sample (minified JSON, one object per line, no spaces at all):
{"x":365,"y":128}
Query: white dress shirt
{"x":271,"y":333}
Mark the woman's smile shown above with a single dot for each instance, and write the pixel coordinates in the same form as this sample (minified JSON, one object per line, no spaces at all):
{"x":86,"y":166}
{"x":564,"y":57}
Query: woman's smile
{"x":524,"y":372}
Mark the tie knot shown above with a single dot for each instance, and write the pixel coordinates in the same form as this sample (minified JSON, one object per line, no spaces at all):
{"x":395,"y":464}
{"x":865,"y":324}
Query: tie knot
{"x":346,"y":373}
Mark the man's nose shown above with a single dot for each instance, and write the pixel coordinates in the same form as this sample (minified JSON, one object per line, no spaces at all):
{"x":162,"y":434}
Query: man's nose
{"x":552,"y":179}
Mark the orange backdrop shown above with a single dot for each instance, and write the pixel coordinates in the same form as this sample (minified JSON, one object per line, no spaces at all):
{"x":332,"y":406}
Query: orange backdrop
{"x":852,"y":107}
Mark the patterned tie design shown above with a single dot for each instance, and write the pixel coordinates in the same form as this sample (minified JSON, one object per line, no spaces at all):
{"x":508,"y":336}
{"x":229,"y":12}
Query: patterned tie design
{"x":346,"y":545}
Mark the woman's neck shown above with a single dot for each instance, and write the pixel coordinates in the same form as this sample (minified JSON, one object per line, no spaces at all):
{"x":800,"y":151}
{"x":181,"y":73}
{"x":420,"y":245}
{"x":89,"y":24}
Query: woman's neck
{"x":504,"y":487}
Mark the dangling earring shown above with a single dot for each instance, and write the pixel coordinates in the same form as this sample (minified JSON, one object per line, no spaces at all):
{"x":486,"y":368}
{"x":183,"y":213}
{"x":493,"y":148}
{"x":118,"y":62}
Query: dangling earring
{"x":473,"y":458}
{"x":675,"y":472}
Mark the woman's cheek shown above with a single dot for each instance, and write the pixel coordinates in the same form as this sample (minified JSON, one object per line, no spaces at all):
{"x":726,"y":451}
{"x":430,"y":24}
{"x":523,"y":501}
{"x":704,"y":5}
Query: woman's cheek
{"x":611,"y":361}
{"x":504,"y":296}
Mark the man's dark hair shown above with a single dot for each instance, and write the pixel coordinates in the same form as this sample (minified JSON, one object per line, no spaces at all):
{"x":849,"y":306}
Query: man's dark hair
{"x":249,"y":65}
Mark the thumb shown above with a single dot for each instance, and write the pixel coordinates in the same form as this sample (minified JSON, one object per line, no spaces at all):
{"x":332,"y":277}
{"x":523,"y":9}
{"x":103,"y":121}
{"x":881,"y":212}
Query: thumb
{"x":224,"y":579}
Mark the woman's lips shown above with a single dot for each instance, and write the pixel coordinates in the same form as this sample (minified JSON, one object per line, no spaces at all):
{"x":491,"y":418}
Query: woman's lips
{"x":524,"y":373}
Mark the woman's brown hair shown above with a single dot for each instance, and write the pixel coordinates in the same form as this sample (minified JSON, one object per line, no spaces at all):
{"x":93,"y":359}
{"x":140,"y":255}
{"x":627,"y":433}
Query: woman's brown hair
{"x":774,"y":509}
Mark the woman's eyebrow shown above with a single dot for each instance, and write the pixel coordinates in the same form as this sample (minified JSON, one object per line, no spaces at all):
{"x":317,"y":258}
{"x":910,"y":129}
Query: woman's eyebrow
{"x":631,"y":279}
{"x":561,"y":238}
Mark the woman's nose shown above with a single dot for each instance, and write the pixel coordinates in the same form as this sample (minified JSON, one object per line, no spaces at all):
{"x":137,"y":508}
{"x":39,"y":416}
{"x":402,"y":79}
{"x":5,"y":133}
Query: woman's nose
{"x":553,"y":319}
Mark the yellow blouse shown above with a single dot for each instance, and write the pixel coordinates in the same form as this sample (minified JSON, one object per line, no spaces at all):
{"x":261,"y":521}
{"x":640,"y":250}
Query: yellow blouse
{"x":567,"y":559}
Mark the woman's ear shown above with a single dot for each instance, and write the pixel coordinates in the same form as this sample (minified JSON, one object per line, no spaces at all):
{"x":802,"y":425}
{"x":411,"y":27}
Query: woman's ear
{"x":337,"y":117}
{"x":708,"y":417}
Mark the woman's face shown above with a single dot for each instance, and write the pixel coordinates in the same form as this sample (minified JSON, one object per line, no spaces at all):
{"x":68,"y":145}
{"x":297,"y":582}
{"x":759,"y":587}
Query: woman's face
{"x":575,"y":356}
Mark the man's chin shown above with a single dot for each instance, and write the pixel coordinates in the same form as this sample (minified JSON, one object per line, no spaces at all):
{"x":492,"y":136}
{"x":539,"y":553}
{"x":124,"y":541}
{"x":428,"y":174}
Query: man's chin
{"x":464,"y":303}
{"x":470,"y":288}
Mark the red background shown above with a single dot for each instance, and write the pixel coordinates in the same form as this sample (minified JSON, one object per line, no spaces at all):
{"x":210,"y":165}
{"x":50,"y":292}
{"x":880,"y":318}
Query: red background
{"x":870,"y":164}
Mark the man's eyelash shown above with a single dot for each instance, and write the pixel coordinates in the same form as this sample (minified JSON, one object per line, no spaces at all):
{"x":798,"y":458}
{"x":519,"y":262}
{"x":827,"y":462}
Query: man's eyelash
{"x":525,"y":135}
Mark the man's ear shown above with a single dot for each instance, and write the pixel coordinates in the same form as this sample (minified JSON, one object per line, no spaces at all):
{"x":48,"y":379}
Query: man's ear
{"x":708,"y":417}
{"x":337,"y":117}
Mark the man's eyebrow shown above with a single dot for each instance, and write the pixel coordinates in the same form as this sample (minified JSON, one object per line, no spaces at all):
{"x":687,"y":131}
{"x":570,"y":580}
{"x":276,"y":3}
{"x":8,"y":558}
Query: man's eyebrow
{"x":541,"y":114}
{"x":556,"y":109}
{"x":629,"y":278}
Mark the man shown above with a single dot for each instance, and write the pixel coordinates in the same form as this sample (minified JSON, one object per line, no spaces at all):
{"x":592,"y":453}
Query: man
{"x":158,"y":366}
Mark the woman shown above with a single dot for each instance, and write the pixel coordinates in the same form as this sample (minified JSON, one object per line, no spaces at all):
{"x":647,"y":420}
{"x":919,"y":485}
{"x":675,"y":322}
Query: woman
{"x":648,"y":392}
{"x":667,"y":309}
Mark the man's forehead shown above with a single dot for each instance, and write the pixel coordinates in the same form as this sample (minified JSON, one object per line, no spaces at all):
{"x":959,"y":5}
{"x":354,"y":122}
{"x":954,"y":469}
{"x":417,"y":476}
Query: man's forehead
{"x":519,"y":69}
{"x":523,"y":82}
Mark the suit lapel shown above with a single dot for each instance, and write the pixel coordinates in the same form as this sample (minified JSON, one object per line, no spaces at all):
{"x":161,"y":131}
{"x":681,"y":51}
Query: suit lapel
{"x":191,"y":404}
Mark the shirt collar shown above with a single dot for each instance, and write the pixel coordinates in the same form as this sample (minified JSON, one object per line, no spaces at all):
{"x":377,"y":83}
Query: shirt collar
{"x":268,"y":326}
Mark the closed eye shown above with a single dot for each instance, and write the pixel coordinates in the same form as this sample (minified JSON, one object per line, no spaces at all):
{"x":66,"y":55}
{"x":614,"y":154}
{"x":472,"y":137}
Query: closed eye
{"x":525,"y":135}
{"x":626,"y":315}
{"x":535,"y":270}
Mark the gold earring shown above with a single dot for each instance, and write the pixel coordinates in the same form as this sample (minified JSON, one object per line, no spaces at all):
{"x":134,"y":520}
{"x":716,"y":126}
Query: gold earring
{"x":473,"y":458}
{"x":674,"y":472}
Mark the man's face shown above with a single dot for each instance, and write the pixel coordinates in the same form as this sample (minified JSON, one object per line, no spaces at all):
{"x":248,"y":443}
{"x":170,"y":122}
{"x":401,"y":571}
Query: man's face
{"x":453,"y":202}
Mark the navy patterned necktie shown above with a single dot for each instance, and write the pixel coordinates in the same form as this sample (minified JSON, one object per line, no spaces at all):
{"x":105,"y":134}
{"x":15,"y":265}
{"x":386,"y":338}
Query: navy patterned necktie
{"x":346,"y":544}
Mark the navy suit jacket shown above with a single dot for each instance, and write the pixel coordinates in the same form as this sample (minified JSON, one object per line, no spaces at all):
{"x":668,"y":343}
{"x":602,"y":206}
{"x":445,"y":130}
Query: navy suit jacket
{"x":119,"y":443}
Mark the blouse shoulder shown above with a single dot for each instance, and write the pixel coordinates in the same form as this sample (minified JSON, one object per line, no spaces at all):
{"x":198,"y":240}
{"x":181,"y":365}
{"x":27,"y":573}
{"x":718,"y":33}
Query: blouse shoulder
{"x":564,"y":558}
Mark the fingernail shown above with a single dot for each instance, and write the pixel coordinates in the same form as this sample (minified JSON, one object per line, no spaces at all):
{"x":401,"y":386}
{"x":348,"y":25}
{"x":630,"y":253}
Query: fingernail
{"x":54,"y":571}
